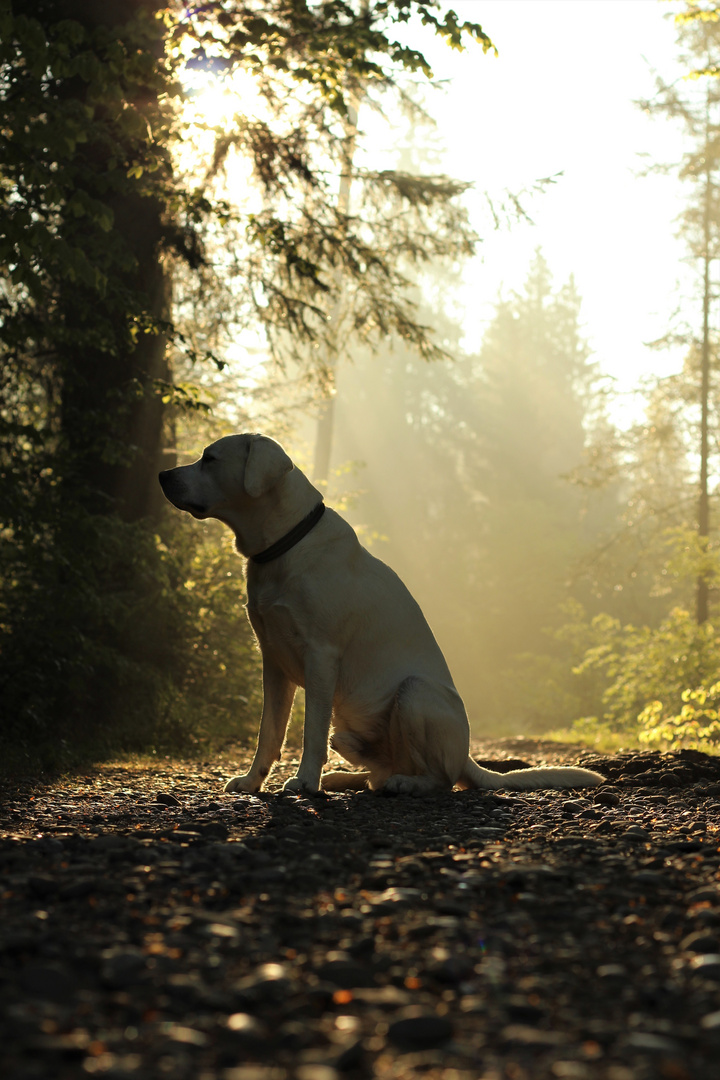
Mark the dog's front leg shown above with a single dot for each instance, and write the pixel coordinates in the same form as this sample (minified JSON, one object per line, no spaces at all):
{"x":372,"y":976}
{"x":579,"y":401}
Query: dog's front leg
{"x":321,"y":668}
{"x":278,"y":694}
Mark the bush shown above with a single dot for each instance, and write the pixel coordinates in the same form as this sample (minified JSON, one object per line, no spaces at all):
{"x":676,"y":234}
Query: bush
{"x":115,"y":639}
{"x":696,"y":726}
{"x":655,"y":678}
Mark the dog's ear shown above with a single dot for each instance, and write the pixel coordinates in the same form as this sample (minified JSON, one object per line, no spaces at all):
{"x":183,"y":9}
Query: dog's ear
{"x":266,"y":465}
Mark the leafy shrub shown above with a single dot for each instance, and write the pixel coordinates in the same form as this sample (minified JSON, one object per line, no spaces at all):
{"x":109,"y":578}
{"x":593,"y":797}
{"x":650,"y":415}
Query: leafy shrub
{"x":696,"y":726}
{"x":655,"y":678}
{"x":115,"y":639}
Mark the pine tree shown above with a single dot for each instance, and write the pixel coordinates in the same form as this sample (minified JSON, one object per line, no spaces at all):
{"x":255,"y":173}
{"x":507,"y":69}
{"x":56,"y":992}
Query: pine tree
{"x":466,"y":480}
{"x":696,"y":106}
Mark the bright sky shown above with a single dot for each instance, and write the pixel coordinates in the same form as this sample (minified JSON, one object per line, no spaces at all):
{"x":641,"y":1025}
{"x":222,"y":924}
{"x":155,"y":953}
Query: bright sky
{"x":560,"y":98}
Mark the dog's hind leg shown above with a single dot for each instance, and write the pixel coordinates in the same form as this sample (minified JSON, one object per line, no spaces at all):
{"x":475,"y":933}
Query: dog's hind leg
{"x":429,"y":738}
{"x":344,"y":781}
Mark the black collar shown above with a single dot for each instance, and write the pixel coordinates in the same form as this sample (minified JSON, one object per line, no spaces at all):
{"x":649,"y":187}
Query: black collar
{"x":290,"y":539}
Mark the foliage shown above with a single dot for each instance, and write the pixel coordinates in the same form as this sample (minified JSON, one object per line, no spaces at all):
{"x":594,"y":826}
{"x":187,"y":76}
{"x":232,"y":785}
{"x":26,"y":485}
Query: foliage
{"x":466,"y":464}
{"x":696,"y":725}
{"x":650,"y":677}
{"x":145,"y":642}
{"x":111,"y":637}
{"x":640,"y":480}
{"x":292,"y":256}
{"x":649,"y":661}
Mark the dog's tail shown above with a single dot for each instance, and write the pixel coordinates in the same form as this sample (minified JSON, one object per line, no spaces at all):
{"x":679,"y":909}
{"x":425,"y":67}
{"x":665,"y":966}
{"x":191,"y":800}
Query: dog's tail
{"x":561,"y":776}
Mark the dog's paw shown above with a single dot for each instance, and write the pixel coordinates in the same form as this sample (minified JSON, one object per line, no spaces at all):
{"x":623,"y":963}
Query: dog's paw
{"x":242,"y":783}
{"x":408,"y":785}
{"x":296,"y":786}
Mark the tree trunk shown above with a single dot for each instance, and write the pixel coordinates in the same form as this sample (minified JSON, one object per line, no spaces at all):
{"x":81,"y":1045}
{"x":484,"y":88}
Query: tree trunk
{"x":112,"y":415}
{"x":702,"y":590}
{"x":326,"y":418}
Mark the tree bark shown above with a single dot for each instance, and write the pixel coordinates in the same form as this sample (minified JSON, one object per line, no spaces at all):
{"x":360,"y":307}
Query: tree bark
{"x":702,"y":588}
{"x":326,"y":418}
{"x":112,"y":414}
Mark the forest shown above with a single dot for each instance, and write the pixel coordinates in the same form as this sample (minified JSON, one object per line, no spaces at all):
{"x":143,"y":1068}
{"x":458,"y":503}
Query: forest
{"x":198,"y":237}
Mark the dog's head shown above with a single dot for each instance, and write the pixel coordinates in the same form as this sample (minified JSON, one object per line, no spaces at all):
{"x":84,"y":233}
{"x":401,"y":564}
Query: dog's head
{"x":232,"y":474}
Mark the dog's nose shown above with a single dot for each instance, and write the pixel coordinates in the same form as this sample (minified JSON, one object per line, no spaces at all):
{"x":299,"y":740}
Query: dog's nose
{"x":162,"y":475}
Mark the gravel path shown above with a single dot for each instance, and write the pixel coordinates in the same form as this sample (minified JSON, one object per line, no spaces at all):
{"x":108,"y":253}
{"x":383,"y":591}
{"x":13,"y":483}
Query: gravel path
{"x":152,"y":927}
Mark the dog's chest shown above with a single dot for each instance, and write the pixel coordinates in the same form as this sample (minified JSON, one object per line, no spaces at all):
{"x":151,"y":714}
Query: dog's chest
{"x":279,"y":635}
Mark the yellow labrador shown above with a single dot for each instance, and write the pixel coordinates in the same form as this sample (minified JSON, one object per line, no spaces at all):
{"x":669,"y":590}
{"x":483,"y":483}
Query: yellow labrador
{"x":332,"y":618}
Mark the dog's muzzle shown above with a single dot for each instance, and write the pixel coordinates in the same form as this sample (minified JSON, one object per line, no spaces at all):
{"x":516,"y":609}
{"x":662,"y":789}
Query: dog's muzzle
{"x":173,"y":490}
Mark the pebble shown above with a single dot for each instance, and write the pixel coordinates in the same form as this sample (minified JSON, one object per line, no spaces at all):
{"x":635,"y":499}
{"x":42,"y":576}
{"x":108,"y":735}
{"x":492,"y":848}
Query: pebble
{"x":255,"y":937}
{"x":420,"y":1032}
{"x":532,"y":1038}
{"x":707,"y":965}
{"x":606,"y":798}
{"x":700,"y":941}
{"x":346,"y":975}
{"x":166,"y":799}
{"x":647,"y":1042}
{"x":636,"y":832}
{"x":48,"y":981}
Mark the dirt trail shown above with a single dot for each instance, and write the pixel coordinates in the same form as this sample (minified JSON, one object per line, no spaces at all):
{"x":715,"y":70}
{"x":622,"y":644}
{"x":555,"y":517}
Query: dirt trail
{"x":152,"y":927}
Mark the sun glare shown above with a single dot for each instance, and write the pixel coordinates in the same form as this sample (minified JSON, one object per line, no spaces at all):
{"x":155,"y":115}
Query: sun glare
{"x":215,"y":104}
{"x":213,"y":100}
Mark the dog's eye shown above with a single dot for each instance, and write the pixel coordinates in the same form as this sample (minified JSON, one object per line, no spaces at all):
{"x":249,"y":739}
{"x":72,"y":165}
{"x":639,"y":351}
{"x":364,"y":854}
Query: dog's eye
{"x":207,"y":458}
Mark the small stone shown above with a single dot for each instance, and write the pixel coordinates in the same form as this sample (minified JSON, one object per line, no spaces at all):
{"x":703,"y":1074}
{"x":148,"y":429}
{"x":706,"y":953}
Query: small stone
{"x":647,"y":877}
{"x":42,"y":885}
{"x":453,"y":970}
{"x":108,"y":842}
{"x":636,"y":832}
{"x":166,"y":799}
{"x":73,"y":890}
{"x":532,"y":1037}
{"x":570,"y":1070}
{"x":683,"y":846}
{"x":606,"y":798}
{"x":382,"y":997}
{"x":709,"y":893}
{"x":346,"y":975}
{"x":611,"y":971}
{"x":707,"y":965}
{"x":701,"y":941}
{"x":521,"y":1011}
{"x":420,"y":1032}
{"x":269,"y":984}
{"x":397,"y":896}
{"x":123,"y":967}
{"x":647,"y":1042}
{"x":182,"y":1034}
{"x":245,"y":1027}
{"x":316,"y":1072}
{"x":49,"y":982}
{"x":255,"y":1072}
{"x":49,"y":844}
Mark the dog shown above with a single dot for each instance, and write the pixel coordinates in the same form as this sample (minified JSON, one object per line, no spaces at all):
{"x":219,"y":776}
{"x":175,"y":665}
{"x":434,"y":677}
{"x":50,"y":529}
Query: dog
{"x":330,"y":617}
